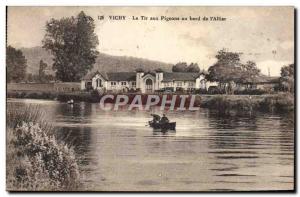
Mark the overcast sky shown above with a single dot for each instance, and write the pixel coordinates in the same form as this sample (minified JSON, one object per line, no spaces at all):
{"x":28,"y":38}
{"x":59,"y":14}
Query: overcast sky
{"x":263,"y":34}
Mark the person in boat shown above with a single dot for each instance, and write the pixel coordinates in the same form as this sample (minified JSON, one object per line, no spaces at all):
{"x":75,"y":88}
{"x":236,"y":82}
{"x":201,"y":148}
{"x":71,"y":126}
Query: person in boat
{"x":71,"y":101}
{"x":156,"y":118}
{"x":164,"y":119}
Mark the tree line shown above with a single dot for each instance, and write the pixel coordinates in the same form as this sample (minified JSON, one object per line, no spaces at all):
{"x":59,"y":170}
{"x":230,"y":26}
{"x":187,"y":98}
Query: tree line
{"x":16,"y":65}
{"x":229,"y":70}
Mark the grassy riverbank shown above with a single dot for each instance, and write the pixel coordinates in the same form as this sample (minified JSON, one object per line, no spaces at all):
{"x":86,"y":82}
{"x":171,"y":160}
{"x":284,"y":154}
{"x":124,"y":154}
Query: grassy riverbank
{"x":77,"y":96}
{"x":35,"y":160}
{"x":281,"y":102}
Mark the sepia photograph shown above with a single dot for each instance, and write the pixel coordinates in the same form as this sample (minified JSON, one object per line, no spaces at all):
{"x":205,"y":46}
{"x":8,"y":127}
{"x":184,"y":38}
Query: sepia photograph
{"x":150,"y":99}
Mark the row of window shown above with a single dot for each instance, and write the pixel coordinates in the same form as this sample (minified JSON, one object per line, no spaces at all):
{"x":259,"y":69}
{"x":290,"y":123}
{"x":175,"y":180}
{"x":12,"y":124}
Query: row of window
{"x":123,"y":83}
{"x":179,"y":84}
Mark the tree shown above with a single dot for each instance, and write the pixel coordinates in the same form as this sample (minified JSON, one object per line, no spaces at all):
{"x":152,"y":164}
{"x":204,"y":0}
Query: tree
{"x":287,"y":78}
{"x":42,"y":74}
{"x":159,"y":70}
{"x":73,"y":42}
{"x":249,"y":73}
{"x":179,"y":67}
{"x":225,"y":70}
{"x":228,"y":69}
{"x":193,"y":67}
{"x":139,"y":70}
{"x":16,"y":65}
{"x":184,"y":67}
{"x":50,"y":78}
{"x":29,"y":77}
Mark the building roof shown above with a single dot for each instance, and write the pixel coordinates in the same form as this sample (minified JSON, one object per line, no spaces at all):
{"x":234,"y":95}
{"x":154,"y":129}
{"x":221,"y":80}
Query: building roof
{"x":89,"y":76}
{"x":267,"y":79}
{"x":179,"y":76}
{"x":112,"y":76}
{"x":149,"y":73}
{"x":121,"y":76}
{"x":131,"y":76}
{"x":262,"y":79}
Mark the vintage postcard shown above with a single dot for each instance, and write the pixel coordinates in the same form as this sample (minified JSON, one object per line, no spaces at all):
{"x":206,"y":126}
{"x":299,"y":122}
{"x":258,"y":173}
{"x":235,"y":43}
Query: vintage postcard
{"x":150,"y":99}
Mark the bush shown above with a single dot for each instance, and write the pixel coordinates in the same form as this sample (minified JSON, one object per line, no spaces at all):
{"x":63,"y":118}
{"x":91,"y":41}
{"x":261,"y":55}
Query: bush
{"x":132,"y":90}
{"x":279,"y":102}
{"x":179,"y":90}
{"x":159,"y":91}
{"x":168,"y":89}
{"x":95,"y":95}
{"x":31,"y":95}
{"x":201,"y":91}
{"x":217,"y":102}
{"x":35,"y":160}
{"x":224,"y":103}
{"x":215,"y":90}
{"x":267,"y":103}
{"x":250,"y":92}
{"x":47,"y":95}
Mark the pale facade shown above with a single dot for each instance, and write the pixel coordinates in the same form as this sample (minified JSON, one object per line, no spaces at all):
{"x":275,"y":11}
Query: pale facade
{"x":145,"y":82}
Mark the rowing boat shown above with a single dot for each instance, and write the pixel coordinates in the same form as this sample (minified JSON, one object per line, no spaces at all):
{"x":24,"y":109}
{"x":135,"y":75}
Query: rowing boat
{"x":163,"y":126}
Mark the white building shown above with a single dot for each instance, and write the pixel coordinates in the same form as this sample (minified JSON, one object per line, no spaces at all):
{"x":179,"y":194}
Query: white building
{"x":146,"y":82}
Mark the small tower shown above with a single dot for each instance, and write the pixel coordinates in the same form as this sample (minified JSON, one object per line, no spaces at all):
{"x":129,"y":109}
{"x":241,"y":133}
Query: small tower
{"x":139,"y":75}
{"x":159,"y":75}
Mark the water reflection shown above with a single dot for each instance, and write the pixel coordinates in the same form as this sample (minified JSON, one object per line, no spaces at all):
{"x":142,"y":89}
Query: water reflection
{"x":208,"y":150}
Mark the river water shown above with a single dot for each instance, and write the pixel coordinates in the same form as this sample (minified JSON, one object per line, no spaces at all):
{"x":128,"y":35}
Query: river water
{"x":117,"y":151}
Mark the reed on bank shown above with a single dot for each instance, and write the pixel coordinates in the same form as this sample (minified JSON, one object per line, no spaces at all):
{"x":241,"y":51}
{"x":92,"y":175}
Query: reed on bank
{"x":35,"y":160}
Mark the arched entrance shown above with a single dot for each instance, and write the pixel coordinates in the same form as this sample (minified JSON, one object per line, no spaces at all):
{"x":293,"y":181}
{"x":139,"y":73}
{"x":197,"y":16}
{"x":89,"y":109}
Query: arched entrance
{"x":149,"y":85}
